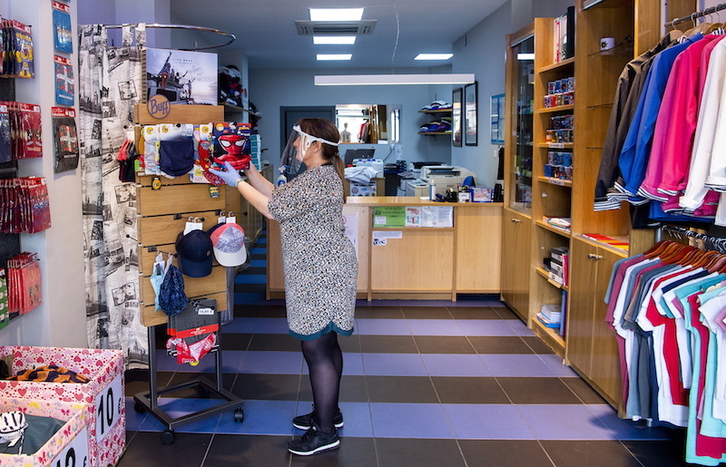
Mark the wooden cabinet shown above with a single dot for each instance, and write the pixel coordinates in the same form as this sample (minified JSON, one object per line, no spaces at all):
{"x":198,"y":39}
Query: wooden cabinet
{"x":518,"y":145}
{"x":417,"y":263}
{"x":591,"y":345}
{"x":516,"y":245}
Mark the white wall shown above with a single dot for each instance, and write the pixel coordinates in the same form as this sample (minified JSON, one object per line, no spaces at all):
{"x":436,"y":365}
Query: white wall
{"x":484,"y":55}
{"x":60,"y":320}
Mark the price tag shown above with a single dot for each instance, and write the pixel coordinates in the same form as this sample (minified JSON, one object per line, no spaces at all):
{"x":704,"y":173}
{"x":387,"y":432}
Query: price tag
{"x":557,"y":181}
{"x":556,"y":145}
{"x":75,"y":453}
{"x":108,"y":408}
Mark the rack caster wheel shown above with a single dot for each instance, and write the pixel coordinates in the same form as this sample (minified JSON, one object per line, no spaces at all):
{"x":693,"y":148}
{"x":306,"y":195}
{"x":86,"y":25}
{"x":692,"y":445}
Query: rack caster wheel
{"x":239,"y":415}
{"x":139,"y":407}
{"x":167,"y":437}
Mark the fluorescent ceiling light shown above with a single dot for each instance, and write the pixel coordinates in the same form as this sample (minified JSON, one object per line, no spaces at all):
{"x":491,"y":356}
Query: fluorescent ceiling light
{"x":353,"y":80}
{"x":334,"y":56}
{"x":433,"y":56}
{"x":346,"y":40}
{"x":336,"y":14}
{"x":525,"y":56}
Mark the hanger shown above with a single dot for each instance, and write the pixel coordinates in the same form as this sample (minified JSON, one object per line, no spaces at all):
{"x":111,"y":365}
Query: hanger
{"x":675,"y":254}
{"x":657,"y":249}
{"x":697,"y":27}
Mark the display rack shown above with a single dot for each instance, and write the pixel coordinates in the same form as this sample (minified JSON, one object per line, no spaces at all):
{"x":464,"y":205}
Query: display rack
{"x":158,"y":225}
{"x":148,"y":401}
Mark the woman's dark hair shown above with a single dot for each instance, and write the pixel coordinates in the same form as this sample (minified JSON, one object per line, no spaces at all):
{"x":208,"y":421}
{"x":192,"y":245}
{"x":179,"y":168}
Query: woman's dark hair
{"x":325,"y":129}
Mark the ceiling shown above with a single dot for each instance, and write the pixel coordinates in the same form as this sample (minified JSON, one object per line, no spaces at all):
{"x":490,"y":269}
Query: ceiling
{"x":266,"y":32}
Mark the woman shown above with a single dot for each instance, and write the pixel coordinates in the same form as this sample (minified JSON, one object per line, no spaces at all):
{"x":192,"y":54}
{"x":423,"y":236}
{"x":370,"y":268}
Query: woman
{"x":319,"y":263}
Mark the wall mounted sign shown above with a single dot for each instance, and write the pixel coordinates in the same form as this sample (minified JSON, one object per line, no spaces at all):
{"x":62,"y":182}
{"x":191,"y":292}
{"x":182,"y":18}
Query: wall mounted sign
{"x":158,"y":106}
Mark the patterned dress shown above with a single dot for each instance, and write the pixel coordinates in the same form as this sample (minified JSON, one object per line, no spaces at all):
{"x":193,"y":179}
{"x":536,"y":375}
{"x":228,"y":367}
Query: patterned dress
{"x":319,"y":261}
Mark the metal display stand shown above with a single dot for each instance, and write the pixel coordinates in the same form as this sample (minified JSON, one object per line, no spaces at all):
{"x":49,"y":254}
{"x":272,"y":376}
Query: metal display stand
{"x":149,"y":401}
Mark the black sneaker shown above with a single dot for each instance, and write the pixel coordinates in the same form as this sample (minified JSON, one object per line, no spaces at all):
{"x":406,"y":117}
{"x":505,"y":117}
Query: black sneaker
{"x":314,"y":442}
{"x":305,"y":422}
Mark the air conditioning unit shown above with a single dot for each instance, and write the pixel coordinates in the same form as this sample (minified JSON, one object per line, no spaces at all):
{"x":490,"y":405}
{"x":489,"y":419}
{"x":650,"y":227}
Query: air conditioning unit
{"x":335,"y":28}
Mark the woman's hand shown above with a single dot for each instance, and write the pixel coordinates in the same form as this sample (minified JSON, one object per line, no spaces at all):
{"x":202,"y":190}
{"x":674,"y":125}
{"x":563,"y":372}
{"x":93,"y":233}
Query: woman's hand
{"x":230,"y":176}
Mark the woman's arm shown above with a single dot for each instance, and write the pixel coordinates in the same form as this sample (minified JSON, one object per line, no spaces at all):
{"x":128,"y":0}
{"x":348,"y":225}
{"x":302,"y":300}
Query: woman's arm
{"x":255,"y":197}
{"x":258,"y":181}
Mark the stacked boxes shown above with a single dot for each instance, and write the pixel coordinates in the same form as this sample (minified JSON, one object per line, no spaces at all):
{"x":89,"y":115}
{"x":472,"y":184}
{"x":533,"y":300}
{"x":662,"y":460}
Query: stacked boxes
{"x":560,"y":92}
{"x":561,"y":130}
{"x":103,"y":394}
{"x":559,"y":165}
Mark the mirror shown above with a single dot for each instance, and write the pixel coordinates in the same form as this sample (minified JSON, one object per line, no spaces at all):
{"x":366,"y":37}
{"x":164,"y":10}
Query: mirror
{"x":368,"y":123}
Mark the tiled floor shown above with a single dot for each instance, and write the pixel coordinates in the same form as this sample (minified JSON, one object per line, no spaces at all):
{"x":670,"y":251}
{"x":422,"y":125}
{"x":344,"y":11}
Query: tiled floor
{"x":424,"y":384}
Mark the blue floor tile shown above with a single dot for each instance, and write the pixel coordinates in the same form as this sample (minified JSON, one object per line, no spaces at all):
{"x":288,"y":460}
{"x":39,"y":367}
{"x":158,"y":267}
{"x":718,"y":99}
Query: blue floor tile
{"x":271,"y":326}
{"x":175,"y":408}
{"x":410,"y":421}
{"x":520,"y":365}
{"x":489,"y":327}
{"x":352,"y":364}
{"x":382,"y":327}
{"x":394,"y":365}
{"x":490,"y":421}
{"x":455,"y":365}
{"x":261,"y":418}
{"x":242,"y":326}
{"x":282,"y":363}
{"x":554,"y":362}
{"x":564,"y":422}
{"x":250,"y":279}
{"x":249,"y":299}
{"x":435,"y":327}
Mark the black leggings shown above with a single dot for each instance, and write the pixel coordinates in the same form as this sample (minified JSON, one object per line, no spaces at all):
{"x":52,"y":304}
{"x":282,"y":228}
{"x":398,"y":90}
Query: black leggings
{"x":325,"y":363}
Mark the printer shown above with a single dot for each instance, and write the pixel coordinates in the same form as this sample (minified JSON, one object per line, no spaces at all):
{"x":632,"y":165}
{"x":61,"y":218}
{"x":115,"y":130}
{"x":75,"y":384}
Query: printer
{"x":442,"y":177}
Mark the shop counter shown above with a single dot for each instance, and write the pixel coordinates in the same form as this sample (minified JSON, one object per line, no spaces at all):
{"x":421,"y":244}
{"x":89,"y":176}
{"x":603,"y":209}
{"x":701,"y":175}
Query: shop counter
{"x":410,"y":248}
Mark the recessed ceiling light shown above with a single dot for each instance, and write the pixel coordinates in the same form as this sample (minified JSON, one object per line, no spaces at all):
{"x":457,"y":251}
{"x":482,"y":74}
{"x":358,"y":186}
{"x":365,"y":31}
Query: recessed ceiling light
{"x":336,"y":14}
{"x":334,"y":56}
{"x":347,"y":40}
{"x":433,"y":56}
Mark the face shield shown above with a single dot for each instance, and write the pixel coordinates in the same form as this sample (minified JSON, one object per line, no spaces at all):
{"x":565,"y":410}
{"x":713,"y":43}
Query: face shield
{"x":293,"y":156}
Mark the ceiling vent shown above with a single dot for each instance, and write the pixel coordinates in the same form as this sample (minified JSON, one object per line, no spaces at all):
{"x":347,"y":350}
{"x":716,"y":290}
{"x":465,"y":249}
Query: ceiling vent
{"x":335,"y":28}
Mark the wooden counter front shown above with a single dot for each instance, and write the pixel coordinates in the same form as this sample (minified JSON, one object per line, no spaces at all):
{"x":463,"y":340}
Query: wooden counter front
{"x":425,"y":262}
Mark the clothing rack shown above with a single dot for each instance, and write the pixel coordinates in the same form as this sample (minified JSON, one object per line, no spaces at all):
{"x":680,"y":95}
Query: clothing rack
{"x":230,"y":37}
{"x":709,"y":242}
{"x":699,"y":14}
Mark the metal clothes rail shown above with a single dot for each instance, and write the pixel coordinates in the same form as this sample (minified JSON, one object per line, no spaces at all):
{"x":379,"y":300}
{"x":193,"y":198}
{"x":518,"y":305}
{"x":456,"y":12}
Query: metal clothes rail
{"x":699,"y":14}
{"x":230,"y":37}
{"x":710,"y":242}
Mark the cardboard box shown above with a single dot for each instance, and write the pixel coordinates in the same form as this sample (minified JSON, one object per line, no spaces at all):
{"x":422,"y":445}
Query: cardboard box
{"x":104,"y":393}
{"x":71,"y":442}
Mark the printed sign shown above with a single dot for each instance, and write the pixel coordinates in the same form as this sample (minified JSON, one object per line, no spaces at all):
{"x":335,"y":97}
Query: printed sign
{"x":108,"y":408}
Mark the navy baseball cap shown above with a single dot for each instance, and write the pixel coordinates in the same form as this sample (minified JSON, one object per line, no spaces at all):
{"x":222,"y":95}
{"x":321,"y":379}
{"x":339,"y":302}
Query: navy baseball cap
{"x":195,"y":253}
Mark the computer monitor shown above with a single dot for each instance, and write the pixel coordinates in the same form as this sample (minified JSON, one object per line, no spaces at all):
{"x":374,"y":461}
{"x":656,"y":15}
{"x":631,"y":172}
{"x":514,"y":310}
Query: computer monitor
{"x":351,"y":154}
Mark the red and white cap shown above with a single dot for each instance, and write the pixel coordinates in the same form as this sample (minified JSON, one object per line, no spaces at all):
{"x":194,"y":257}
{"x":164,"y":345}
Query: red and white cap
{"x":228,"y":242}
